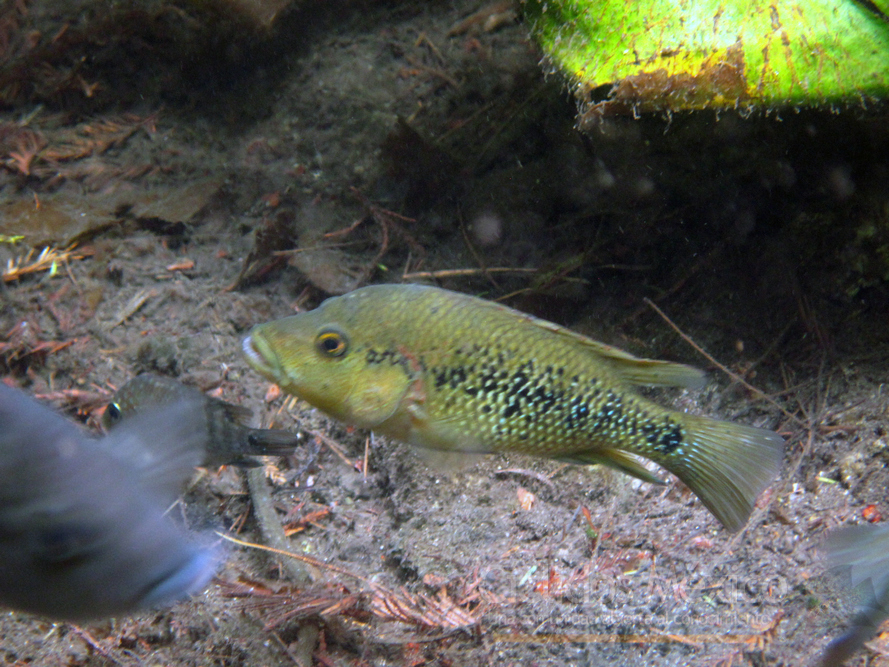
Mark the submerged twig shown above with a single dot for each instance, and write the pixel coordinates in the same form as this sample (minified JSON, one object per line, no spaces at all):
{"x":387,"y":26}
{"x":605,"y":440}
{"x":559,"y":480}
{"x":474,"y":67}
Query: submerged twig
{"x":459,"y":273}
{"x":270,"y":526}
{"x":332,"y":444}
{"x":734,"y":376}
{"x":416,"y":609}
{"x":314,"y":562}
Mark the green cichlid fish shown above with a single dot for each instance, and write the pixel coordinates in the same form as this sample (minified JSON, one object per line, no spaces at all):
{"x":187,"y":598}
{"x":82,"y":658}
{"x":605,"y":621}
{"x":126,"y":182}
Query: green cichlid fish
{"x":227,"y":441}
{"x":447,"y":371}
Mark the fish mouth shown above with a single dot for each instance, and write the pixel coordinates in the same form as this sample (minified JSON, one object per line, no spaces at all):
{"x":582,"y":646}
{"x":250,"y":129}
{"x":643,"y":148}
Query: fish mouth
{"x":255,"y":357}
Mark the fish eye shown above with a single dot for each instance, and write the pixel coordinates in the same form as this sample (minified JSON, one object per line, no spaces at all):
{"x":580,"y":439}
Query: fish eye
{"x":113,"y":412}
{"x":331,"y":343}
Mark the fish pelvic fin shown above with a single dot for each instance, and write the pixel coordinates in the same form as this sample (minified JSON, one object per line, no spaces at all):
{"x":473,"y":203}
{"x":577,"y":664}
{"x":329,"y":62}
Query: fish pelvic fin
{"x":725,"y":465}
{"x":626,"y":463}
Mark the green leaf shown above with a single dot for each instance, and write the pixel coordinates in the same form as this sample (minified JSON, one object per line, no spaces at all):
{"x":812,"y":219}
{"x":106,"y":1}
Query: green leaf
{"x":662,"y":55}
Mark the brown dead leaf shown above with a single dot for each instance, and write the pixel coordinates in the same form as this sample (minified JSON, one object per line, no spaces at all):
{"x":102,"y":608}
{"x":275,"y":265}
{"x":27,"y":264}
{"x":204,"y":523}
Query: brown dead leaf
{"x":273,"y":393}
{"x":439,"y":612}
{"x":183,"y":264}
{"x":526,"y":498}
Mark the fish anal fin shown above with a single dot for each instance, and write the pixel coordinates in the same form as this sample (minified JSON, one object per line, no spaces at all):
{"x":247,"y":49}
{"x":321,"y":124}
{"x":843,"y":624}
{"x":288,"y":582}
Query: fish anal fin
{"x":626,"y":463}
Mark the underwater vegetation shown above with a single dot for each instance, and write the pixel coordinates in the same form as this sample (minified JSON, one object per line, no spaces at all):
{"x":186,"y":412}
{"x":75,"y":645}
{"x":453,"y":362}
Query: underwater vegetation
{"x":711,"y":54}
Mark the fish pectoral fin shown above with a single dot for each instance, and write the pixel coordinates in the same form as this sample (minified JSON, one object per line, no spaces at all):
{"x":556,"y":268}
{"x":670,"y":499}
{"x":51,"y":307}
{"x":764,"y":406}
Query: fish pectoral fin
{"x":413,"y":424}
{"x":377,"y":396}
{"x":626,"y":463}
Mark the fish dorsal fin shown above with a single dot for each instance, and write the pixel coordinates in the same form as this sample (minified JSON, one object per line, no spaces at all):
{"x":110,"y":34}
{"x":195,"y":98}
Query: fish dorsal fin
{"x":161,"y":445}
{"x":628,"y":368}
{"x":654,"y":373}
{"x":237,"y":413}
{"x":632,"y":370}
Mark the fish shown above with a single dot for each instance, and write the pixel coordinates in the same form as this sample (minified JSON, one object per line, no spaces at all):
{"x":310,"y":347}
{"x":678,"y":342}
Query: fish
{"x":228,"y":442}
{"x":860,"y":556}
{"x":84,"y":533}
{"x":448,"y":371}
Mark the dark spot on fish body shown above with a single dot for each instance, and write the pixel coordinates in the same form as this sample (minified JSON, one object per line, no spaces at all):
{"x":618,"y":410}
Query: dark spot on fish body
{"x":651,"y":432}
{"x":664,"y":438}
{"x":452,"y":377}
{"x":393,"y":358}
{"x":578,"y":413}
{"x":519,"y":381}
{"x":633,"y":426}
{"x":543,"y":399}
{"x":510,"y":410}
{"x":609,"y":414}
{"x":489,"y":383}
{"x":376,"y":357}
{"x":458,"y":377}
{"x":671,"y":440}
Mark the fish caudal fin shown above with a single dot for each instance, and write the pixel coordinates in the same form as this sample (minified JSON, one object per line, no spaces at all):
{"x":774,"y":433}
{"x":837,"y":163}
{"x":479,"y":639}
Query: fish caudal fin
{"x":726,"y":465}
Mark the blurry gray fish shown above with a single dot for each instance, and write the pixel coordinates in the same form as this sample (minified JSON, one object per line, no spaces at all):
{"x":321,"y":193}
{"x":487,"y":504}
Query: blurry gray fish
{"x":860,"y":554}
{"x":83,"y":530}
{"x":229,"y":441}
